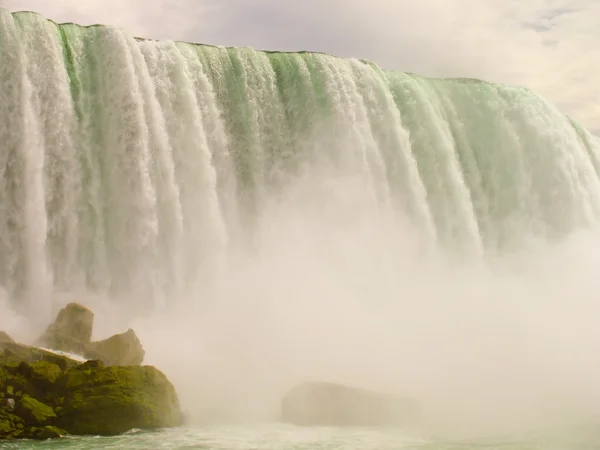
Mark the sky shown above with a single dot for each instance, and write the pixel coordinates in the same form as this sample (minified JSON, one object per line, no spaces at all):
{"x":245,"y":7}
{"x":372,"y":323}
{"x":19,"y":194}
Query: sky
{"x":549,"y":46}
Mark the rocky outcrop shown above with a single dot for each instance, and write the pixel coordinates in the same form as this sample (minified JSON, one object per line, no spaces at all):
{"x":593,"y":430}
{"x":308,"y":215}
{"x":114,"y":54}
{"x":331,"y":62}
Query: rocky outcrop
{"x":123,"y":349}
{"x":72,"y":332}
{"x":330,"y":404}
{"x":44,"y":395}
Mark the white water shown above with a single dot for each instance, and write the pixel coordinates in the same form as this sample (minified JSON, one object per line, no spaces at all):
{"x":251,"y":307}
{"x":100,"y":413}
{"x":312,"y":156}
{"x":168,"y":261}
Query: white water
{"x":69,"y":355}
{"x":262,"y":219}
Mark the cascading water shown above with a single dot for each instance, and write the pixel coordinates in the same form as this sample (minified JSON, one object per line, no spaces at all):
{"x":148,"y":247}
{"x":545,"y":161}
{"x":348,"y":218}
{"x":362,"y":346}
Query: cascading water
{"x":297,"y":215}
{"x":131,"y":165}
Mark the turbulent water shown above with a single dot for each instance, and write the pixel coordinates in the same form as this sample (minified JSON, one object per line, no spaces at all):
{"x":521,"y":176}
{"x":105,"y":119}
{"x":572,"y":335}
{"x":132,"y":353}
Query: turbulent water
{"x":262,"y":218}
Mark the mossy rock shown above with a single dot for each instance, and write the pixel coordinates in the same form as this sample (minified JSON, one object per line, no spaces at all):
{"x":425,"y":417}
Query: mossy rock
{"x":35,"y":412}
{"x":45,"y":395}
{"x":35,"y":379}
{"x":12,"y":353}
{"x":45,"y":373}
{"x":103,"y":400}
{"x":49,"y":432}
{"x":15,"y":382}
{"x":11,"y":425}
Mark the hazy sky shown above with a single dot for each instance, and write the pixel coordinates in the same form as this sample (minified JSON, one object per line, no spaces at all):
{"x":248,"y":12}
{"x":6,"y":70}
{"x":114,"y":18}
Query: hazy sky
{"x":551,"y":46}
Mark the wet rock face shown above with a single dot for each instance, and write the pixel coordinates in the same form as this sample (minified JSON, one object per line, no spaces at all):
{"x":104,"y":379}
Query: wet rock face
{"x":330,"y":404}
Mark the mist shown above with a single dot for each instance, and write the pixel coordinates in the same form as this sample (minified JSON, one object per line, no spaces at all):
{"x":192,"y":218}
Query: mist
{"x":328,"y":288}
{"x":335,"y":291}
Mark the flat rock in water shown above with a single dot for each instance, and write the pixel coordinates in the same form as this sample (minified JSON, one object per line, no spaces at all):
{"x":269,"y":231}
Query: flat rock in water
{"x":330,"y":404}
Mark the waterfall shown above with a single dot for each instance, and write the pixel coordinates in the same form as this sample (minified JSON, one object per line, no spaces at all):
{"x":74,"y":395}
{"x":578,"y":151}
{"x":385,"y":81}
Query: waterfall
{"x":132,"y":167}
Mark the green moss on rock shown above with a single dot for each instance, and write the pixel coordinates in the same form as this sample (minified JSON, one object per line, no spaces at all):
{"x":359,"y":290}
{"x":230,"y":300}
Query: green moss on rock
{"x":11,"y":425}
{"x":50,"y":432}
{"x":34,"y":411}
{"x":12,"y":353}
{"x":142,"y":395}
{"x":54,"y":395}
{"x":45,"y":373}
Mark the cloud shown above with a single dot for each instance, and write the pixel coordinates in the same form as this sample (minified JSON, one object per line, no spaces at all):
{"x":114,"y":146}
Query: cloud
{"x":158,"y":19}
{"x":550,"y":46}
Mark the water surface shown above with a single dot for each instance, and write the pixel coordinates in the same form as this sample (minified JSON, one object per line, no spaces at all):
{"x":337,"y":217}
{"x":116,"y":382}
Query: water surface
{"x":283,"y":437}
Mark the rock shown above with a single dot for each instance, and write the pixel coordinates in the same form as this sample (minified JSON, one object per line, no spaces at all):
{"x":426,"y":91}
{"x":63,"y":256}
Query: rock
{"x":71,"y":331}
{"x":111,"y":400}
{"x":329,"y":404}
{"x":55,"y":396}
{"x":34,"y":412}
{"x":11,"y":426}
{"x":123,"y":349}
{"x":14,"y":353}
{"x":50,"y":432}
{"x":45,"y":373}
{"x":4,"y":337}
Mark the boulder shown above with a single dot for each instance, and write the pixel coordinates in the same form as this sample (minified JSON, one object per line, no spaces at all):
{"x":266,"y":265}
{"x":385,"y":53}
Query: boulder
{"x":45,"y":395}
{"x":102,"y":400}
{"x":123,"y":349}
{"x":330,"y":404}
{"x":71,"y":331}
